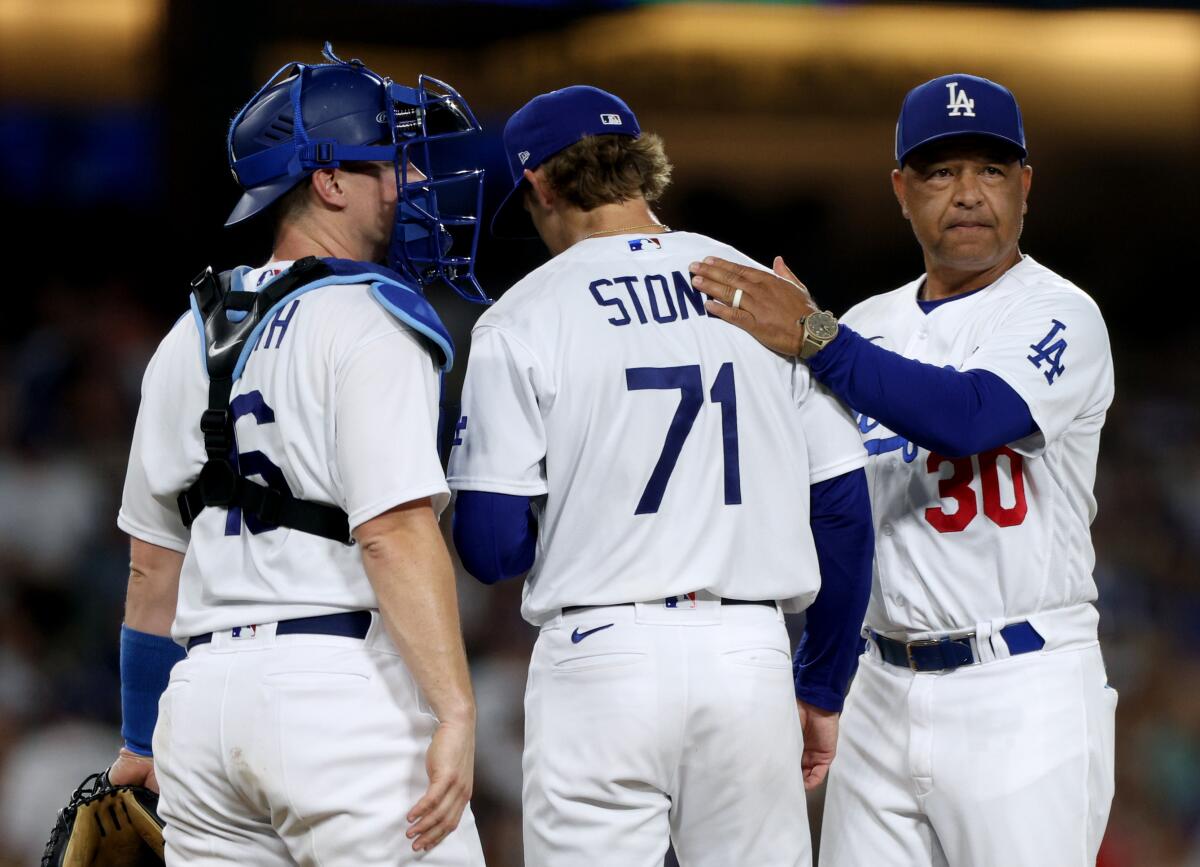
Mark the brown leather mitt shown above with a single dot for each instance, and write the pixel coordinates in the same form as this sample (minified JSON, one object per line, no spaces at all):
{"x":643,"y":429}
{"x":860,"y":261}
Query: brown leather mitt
{"x":106,"y":826}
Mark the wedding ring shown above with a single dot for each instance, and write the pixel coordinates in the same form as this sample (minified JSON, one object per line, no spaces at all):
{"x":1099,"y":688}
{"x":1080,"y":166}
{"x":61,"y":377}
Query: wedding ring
{"x":737,"y":299}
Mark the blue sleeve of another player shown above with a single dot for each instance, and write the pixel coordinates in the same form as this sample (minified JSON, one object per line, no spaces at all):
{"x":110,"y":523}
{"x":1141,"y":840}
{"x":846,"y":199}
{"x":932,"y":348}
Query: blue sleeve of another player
{"x":845,"y":540}
{"x":495,"y":534}
{"x":954,"y":413}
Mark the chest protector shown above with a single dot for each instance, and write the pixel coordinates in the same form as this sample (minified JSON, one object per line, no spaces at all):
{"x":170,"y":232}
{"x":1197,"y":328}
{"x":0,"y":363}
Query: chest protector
{"x":230,"y":322}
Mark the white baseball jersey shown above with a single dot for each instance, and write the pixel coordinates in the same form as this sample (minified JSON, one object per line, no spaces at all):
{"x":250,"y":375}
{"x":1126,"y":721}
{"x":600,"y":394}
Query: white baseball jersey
{"x":1004,"y":534}
{"x":338,"y":400}
{"x":671,"y":451}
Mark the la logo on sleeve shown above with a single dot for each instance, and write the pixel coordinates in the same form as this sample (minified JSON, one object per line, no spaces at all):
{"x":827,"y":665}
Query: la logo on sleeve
{"x":1050,"y":352}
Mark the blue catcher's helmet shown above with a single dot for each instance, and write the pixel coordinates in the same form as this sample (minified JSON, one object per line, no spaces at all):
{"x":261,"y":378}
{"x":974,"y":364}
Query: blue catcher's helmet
{"x":322,"y":115}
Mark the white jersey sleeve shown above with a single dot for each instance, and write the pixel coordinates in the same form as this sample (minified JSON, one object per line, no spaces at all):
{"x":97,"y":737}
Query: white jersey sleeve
{"x":387,"y":399}
{"x":834,"y":444}
{"x":503,"y":446}
{"x":1054,"y":352}
{"x":146,"y":514}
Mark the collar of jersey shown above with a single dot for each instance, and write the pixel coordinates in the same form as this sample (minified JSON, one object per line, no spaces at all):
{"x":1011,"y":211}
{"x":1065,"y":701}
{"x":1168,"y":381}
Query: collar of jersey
{"x":393,"y":293}
{"x":928,"y":307}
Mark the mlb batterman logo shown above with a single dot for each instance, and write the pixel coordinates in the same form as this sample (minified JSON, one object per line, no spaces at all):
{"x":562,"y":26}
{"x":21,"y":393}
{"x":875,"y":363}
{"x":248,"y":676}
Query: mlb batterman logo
{"x":610,"y":119}
{"x":960,"y":105}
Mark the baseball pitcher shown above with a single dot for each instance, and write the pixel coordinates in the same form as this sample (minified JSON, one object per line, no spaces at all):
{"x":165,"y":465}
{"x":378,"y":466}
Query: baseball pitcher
{"x":672,"y":488}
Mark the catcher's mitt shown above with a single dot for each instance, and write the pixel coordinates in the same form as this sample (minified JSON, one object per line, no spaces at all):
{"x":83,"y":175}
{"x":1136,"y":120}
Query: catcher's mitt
{"x":106,"y":826}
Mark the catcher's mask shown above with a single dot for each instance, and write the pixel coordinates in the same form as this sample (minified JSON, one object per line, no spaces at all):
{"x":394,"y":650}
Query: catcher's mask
{"x":322,"y":115}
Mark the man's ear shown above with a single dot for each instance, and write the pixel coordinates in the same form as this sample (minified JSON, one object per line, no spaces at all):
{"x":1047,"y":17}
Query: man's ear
{"x":326,"y":186}
{"x":898,"y":189}
{"x":540,"y":189}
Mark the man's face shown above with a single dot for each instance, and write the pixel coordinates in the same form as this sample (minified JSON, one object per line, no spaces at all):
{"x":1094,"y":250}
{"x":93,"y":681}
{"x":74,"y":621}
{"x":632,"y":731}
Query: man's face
{"x":373,"y":194}
{"x":965,"y":199}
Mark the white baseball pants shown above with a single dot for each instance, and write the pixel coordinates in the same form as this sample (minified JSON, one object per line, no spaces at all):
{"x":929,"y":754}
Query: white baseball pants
{"x":654,"y":724}
{"x":296,"y":750}
{"x":1002,"y":763}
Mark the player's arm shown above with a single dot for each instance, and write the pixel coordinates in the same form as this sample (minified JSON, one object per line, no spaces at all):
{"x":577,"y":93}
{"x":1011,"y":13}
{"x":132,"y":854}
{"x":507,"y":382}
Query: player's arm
{"x":495,"y":534}
{"x":410,"y":571}
{"x":951,"y":412}
{"x":498,"y":463}
{"x":386,"y":399}
{"x":827,"y":655}
{"x":147,"y":656}
{"x":158,"y":541}
{"x":840,"y":515}
{"x":955,"y":413}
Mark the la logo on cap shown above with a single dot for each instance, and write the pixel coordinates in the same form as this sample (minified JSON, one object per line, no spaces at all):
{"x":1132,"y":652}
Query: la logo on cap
{"x":960,"y":105}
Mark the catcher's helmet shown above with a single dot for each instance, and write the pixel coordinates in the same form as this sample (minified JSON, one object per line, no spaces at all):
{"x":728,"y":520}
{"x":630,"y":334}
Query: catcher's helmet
{"x":321,"y":115}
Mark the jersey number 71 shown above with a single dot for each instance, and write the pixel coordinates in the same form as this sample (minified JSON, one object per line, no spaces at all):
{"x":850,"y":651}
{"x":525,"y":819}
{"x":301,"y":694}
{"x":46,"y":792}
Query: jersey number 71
{"x":688,"y":380}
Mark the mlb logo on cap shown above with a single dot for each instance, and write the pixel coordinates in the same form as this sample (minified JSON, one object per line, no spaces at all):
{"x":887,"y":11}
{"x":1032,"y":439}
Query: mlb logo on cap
{"x":610,"y":119}
{"x":954,"y":105}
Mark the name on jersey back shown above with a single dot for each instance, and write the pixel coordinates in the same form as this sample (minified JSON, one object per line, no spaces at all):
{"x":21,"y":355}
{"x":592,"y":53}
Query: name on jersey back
{"x":641,"y":299}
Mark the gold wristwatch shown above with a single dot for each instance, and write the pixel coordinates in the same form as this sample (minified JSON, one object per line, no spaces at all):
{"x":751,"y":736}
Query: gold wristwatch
{"x":819,"y":330}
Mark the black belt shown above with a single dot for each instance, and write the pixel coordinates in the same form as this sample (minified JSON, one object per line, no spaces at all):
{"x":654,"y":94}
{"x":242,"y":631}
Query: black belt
{"x":348,"y":624}
{"x":572,"y":608}
{"x":947,"y":654}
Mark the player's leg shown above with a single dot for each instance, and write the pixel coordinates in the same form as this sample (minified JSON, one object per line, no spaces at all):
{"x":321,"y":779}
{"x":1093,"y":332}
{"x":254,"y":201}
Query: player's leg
{"x":207,"y":820}
{"x":594,"y":771}
{"x":347,"y":734}
{"x":872,"y":811}
{"x":1023,"y":757}
{"x":739,"y":795}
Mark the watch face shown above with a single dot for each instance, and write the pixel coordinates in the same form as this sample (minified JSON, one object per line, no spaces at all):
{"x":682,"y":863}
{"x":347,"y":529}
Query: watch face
{"x":822,"y":325}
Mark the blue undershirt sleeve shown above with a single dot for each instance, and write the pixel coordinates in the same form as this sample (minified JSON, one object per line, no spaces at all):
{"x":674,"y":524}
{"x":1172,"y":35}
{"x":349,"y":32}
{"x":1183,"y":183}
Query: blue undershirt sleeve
{"x":146,"y":663}
{"x":495,"y":534}
{"x":954,"y":413}
{"x":845,"y":540}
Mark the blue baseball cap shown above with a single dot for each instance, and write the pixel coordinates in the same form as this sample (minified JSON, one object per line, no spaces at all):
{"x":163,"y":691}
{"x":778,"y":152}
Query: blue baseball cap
{"x":955,"y":105}
{"x":546,"y":125}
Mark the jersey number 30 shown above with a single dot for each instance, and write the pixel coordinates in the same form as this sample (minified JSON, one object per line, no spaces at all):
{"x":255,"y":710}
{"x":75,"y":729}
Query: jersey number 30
{"x":957,"y":487}
{"x":690,"y":383}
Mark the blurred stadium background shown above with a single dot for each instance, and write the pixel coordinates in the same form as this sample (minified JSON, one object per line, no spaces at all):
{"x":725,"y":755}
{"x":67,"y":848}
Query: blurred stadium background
{"x":779,"y":119}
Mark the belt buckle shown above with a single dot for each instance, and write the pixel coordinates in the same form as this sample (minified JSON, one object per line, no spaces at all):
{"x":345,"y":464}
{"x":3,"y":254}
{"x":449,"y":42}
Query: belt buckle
{"x":925,"y":642}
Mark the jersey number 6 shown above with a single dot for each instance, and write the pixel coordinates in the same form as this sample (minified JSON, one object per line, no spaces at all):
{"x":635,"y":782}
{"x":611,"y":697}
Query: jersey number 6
{"x":253,"y":463}
{"x":690,"y":383}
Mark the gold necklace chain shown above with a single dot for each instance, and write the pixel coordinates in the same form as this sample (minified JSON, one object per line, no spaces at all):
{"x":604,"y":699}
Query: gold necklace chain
{"x":625,"y":229}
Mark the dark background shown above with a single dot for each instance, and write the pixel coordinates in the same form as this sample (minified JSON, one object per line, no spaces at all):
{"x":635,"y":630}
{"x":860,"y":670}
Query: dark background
{"x":779,"y":119}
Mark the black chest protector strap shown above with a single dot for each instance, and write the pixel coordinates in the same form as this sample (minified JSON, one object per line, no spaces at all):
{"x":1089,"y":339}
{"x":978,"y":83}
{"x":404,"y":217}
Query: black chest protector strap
{"x":219,"y":483}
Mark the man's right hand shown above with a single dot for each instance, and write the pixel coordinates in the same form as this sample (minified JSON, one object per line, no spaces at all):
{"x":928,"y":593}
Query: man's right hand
{"x":130,"y":769}
{"x":769,"y":304}
{"x":450,"y":763}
